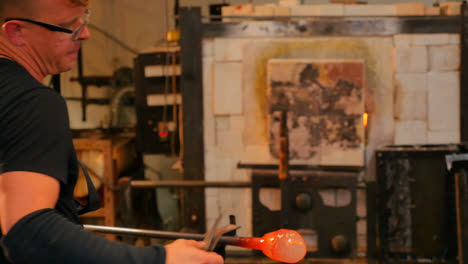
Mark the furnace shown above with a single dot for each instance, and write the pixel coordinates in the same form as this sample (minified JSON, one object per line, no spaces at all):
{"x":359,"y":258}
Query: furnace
{"x":350,"y":85}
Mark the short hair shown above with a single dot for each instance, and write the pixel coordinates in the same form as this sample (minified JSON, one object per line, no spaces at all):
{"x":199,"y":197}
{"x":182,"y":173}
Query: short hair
{"x":80,"y":2}
{"x":15,"y":8}
{"x":27,"y":7}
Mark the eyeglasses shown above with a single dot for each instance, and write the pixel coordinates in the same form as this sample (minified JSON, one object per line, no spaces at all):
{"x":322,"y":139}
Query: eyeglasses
{"x":75,"y":33}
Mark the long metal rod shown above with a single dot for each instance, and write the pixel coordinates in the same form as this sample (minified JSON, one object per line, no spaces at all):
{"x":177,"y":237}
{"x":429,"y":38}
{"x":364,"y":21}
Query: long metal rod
{"x":463,"y":70}
{"x":191,"y":83}
{"x":459,"y":217}
{"x":283,"y":171}
{"x":298,"y":167}
{"x":153,"y":233}
{"x":188,"y":183}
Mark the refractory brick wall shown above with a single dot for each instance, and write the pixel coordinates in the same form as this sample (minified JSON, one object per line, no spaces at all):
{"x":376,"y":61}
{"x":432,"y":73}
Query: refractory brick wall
{"x":411,"y":92}
{"x":427,"y":92}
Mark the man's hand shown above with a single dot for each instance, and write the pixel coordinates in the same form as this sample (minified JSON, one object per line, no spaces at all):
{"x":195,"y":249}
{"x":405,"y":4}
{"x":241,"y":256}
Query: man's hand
{"x":190,"y":252}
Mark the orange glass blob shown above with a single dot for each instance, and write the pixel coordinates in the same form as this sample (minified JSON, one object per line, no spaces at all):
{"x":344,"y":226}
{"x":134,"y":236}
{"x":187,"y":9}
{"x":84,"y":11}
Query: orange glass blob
{"x":283,"y":245}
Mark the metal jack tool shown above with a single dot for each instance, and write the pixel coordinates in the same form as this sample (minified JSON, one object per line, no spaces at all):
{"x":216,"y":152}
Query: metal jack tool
{"x":457,"y":164}
{"x":214,"y":235}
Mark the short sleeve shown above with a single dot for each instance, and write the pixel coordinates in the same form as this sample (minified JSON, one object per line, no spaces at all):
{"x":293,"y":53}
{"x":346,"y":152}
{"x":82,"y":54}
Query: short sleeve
{"x":35,"y":134}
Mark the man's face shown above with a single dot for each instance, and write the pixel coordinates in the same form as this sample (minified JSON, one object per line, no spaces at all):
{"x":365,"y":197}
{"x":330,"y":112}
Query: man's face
{"x":55,"y":51}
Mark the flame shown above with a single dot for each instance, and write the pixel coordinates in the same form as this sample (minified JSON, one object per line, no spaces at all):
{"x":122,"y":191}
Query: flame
{"x":365,"y":117}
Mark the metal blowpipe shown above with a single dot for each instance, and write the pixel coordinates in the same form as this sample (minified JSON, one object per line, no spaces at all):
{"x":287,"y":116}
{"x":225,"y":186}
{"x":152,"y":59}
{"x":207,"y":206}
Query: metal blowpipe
{"x":282,"y":245}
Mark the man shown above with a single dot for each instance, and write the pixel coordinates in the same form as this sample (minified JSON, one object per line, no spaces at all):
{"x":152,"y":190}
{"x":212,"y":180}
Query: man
{"x":38,"y":214}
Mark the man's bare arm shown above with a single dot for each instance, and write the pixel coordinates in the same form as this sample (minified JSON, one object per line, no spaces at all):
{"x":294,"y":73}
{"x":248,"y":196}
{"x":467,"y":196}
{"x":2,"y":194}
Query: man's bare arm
{"x":22,"y":193}
{"x":26,"y":210}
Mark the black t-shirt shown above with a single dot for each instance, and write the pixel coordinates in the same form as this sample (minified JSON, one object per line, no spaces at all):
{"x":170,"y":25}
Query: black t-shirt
{"x":35,"y":134}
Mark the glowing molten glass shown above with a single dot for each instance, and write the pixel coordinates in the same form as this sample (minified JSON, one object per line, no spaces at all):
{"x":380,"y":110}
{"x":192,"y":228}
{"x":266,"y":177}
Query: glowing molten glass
{"x":283,"y":245}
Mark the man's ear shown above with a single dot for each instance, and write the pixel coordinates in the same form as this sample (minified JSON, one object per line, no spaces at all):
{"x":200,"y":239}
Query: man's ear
{"x":13,"y":30}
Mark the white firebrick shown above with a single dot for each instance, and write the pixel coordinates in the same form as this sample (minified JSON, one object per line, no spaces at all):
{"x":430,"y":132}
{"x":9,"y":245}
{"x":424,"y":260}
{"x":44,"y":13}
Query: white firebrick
{"x":443,"y":101}
{"x":410,"y":96}
{"x":443,"y":137}
{"x":410,"y":132}
{"x":444,"y":58}
{"x":208,"y":118}
{"x":410,"y":59}
{"x":227,"y":88}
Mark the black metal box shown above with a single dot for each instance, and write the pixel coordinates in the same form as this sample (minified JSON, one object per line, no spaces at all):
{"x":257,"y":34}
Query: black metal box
{"x":415,"y":204}
{"x":157,"y":83}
